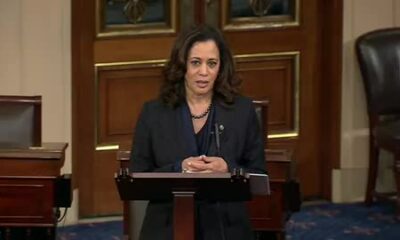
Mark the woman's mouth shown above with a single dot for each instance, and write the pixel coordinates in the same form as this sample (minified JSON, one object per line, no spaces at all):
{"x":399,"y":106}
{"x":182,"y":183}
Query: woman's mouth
{"x":201,"y":83}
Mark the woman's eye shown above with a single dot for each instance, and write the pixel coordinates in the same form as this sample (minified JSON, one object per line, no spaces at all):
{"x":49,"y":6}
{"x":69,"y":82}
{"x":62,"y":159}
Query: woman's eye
{"x":195,"y":62}
{"x":212,"y":64}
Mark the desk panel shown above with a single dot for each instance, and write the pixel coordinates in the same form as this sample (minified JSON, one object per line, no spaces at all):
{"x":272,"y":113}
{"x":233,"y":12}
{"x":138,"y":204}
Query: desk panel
{"x":26,"y":201}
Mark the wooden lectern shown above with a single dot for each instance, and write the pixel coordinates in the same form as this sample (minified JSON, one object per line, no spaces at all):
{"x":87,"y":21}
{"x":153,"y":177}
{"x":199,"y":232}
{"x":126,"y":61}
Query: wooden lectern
{"x":184,"y":188}
{"x":27,"y":190}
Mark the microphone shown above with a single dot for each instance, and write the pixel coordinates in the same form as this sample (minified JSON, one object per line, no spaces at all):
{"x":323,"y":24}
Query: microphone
{"x":218,"y":130}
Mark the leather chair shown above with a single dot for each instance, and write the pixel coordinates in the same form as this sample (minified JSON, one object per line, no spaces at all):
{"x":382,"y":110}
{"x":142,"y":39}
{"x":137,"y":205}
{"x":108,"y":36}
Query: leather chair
{"x":261,"y":107}
{"x":378,"y":54}
{"x":20,"y":121}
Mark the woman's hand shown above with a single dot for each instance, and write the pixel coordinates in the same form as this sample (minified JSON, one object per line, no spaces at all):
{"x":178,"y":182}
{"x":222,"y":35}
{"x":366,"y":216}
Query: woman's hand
{"x":193,"y":164}
{"x":204,"y":164}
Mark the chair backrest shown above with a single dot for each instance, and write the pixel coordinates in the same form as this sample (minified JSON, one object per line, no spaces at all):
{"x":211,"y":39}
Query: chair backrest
{"x":378,"y":53}
{"x":20,"y":121}
{"x":261,"y":107}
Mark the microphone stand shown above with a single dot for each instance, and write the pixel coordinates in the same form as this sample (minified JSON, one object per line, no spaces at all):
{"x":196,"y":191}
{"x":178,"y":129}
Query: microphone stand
{"x":218,"y":147}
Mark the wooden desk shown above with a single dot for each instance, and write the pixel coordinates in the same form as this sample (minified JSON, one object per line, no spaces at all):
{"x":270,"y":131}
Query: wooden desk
{"x":267,"y":214}
{"x":27,"y":186}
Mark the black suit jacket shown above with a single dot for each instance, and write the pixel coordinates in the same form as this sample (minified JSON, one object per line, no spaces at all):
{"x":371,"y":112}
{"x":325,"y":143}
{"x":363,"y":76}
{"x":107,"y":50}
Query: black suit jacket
{"x":159,"y":145}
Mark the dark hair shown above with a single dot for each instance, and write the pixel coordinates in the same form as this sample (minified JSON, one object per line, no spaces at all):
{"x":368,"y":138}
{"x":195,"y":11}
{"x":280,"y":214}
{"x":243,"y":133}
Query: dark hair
{"x":226,"y":85}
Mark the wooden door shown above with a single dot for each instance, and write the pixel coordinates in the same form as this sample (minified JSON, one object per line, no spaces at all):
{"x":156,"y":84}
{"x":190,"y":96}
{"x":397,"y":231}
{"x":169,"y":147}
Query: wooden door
{"x":118,"y":58}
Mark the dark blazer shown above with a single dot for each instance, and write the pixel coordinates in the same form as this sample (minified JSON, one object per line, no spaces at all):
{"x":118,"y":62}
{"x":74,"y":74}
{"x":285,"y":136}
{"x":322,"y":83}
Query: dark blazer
{"x":159,"y":145}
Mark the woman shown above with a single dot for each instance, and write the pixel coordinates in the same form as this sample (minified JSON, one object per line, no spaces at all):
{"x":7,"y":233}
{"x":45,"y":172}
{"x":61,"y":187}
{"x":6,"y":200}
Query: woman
{"x":177,"y":133}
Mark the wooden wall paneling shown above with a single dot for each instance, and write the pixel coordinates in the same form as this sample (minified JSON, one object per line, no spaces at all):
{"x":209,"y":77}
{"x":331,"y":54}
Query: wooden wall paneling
{"x":307,"y":157}
{"x":108,"y":202}
{"x":97,"y":117}
{"x":273,"y":77}
{"x":331,"y":76}
{"x":83,"y":108}
{"x":200,"y":11}
{"x":306,"y":39}
{"x":122,"y":90}
{"x":120,"y":86}
{"x":123,"y":50}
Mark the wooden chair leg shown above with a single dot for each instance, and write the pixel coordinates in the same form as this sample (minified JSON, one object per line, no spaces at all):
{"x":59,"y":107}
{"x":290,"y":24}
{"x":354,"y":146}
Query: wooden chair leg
{"x":281,"y":235}
{"x":269,"y":235}
{"x":51,"y":233}
{"x":7,"y":234}
{"x":397,"y":179}
{"x":28,"y":233}
{"x":372,"y":171}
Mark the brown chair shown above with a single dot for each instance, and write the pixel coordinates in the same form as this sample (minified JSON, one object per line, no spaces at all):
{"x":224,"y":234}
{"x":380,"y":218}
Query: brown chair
{"x":20,"y":121}
{"x":378,"y":54}
{"x":261,"y":107}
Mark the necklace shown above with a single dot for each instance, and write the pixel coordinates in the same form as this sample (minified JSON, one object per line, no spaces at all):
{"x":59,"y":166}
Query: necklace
{"x":200,"y":116}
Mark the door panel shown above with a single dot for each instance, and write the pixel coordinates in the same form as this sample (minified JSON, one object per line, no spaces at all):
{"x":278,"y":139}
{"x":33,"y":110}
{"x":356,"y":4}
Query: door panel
{"x":273,"y":77}
{"x":296,"y":107}
{"x":122,"y":89}
{"x":118,"y":62}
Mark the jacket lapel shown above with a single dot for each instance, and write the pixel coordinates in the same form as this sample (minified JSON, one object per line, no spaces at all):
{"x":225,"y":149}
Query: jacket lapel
{"x":221,"y":120}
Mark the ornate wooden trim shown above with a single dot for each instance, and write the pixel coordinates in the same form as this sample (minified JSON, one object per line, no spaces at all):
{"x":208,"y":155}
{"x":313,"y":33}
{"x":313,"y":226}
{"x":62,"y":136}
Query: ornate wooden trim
{"x":260,"y":22}
{"x":168,"y":27}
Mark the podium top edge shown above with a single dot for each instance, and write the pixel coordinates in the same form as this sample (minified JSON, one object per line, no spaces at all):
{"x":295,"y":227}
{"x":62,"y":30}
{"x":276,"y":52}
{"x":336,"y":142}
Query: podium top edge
{"x":172,"y":175}
{"x":179,"y":175}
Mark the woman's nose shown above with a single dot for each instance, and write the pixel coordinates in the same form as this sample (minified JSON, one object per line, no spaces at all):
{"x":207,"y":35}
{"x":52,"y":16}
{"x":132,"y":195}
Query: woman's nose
{"x":203,"y":69}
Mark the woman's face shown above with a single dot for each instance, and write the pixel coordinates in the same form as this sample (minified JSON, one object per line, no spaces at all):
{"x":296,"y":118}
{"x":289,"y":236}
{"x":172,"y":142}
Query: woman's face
{"x":202,"y":66}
